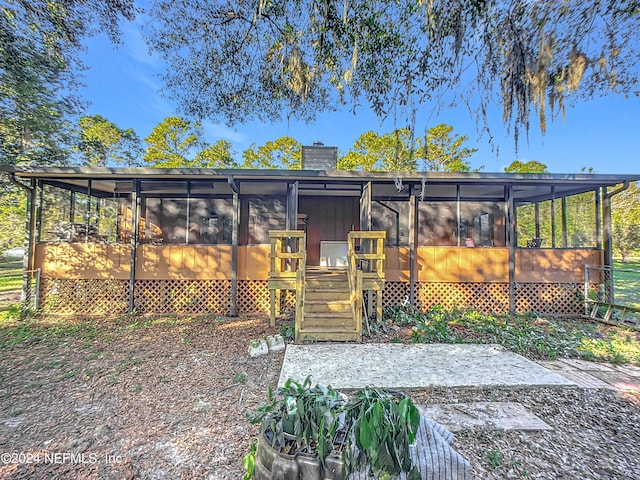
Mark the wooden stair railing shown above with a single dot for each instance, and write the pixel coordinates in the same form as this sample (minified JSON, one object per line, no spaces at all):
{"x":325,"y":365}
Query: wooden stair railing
{"x":288,"y":257}
{"x":372,"y":278}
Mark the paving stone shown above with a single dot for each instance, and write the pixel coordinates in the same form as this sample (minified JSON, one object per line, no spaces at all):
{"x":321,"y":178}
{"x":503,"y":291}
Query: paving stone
{"x":414,"y":366}
{"x":586,"y":365}
{"x":619,"y":380}
{"x":492,"y":415}
{"x":632,"y":370}
{"x":584,"y":379}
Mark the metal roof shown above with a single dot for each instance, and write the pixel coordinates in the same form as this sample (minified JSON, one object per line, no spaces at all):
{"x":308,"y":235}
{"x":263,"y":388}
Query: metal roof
{"x":527,"y":186}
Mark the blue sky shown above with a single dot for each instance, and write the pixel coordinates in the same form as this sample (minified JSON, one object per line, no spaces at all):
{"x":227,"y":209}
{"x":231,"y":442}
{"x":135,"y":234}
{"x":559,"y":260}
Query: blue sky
{"x":122,"y":84}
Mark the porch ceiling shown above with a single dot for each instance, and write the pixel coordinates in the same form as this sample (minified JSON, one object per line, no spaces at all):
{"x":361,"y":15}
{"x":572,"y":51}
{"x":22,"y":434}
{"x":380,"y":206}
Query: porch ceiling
{"x":438,"y":185}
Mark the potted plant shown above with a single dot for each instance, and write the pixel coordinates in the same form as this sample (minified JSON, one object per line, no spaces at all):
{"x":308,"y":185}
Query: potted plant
{"x":315,"y":432}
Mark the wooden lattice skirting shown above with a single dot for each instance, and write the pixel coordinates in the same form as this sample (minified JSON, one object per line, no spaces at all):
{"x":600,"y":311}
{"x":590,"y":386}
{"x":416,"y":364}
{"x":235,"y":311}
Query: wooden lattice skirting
{"x":63,"y":296}
{"x":183,"y":296}
{"x":108,"y":296}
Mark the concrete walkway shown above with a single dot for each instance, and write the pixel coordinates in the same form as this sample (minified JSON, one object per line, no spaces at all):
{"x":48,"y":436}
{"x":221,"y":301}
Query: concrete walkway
{"x":345,"y":366}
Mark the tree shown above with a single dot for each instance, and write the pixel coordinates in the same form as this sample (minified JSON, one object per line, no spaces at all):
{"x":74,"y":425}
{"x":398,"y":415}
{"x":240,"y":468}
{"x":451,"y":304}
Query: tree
{"x":530,"y":167}
{"x":13,"y":206}
{"x":171,"y":142}
{"x":284,"y":152}
{"x":398,"y":151}
{"x":39,"y":67}
{"x":176,"y":142}
{"x":103,"y":143}
{"x":626,"y":222}
{"x":252,"y":59}
{"x":443,"y":152}
{"x":218,"y":155}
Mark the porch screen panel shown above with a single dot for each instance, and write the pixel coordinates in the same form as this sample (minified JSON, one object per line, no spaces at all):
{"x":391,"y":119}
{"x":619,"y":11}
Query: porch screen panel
{"x":78,"y":217}
{"x":437,"y":224}
{"x":165,"y":221}
{"x":393,"y":218}
{"x":481,"y":224}
{"x":580,"y":220}
{"x":265,"y":213}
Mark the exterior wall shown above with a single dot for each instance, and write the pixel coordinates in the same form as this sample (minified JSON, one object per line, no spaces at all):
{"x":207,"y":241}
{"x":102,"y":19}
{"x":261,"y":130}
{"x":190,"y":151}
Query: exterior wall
{"x":82,"y":278}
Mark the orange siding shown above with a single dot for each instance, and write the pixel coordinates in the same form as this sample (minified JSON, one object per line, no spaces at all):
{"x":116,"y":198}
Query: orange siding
{"x":460,"y":264}
{"x":396,"y":265}
{"x":554,"y":265}
{"x":183,"y":262}
{"x":213,"y":262}
{"x":253,"y":262}
{"x":83,"y":260}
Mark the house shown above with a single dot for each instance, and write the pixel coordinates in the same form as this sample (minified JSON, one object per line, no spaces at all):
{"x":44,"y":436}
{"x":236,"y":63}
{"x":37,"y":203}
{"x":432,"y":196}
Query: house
{"x":114,"y":240}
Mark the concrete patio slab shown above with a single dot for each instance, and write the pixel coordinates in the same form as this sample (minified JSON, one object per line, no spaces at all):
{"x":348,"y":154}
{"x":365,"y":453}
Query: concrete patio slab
{"x":491,"y":415}
{"x":345,"y":366}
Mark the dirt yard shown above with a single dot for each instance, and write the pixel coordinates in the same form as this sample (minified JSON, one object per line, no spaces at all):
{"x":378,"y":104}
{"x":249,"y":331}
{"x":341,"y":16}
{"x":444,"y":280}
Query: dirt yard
{"x":166,"y":399}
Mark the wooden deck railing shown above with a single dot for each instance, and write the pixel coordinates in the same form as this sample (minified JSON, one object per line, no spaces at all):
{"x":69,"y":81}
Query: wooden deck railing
{"x":288,"y":257}
{"x":370,"y":256}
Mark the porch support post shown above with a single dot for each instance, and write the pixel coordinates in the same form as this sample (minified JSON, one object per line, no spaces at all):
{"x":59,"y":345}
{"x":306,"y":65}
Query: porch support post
{"x":291,"y":222}
{"x":564,"y":222}
{"x":38,"y":231}
{"x":29,"y":260}
{"x":536,"y":211}
{"x":87,"y":219}
{"x":608,"y":244}
{"x":458,"y":220}
{"x":413,"y":224}
{"x":365,"y":208}
{"x":135,"y":223}
{"x":235,"y":222}
{"x":553,"y":217}
{"x":187,"y":231}
{"x":72,"y":206}
{"x":608,"y":236}
{"x":511,"y":237}
{"x":598,"y":218}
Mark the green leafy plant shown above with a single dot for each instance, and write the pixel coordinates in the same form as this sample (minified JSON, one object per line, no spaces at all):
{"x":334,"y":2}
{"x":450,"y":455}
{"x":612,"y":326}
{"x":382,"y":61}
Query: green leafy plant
{"x":301,"y":417}
{"x":287,"y":330}
{"x":249,"y":461}
{"x":373,"y":429}
{"x":384,"y":425}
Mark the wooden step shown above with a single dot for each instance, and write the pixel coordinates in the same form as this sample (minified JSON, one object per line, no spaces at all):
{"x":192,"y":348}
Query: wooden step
{"x":327,"y":317}
{"x":321,"y":336}
{"x":329,"y":294}
{"x":324,"y":283}
{"x":327,"y":306}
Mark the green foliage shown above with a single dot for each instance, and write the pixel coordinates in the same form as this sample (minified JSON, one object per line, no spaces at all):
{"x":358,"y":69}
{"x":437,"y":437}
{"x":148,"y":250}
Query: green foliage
{"x":626,"y":222}
{"x":444,"y":152}
{"x":287,"y":330}
{"x":103,"y":143}
{"x":176,"y":142}
{"x":13,"y":206}
{"x":399,"y":151}
{"x":171,"y":142}
{"x":217,"y":155}
{"x":530,"y":167}
{"x":272,"y":60}
{"x":384,"y":425}
{"x":249,"y":460}
{"x":389,"y":152}
{"x":312,"y":414}
{"x":39,"y":69}
{"x":528,"y":335}
{"x":381,"y":423}
{"x":282,"y":153}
